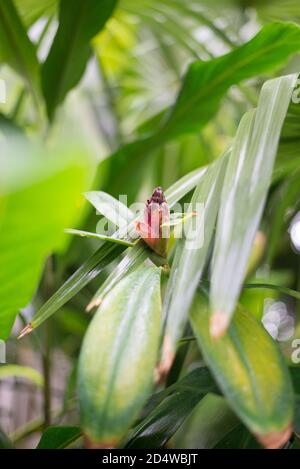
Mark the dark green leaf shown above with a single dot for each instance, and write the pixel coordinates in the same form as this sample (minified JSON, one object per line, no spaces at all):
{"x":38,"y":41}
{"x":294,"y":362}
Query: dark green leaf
{"x":58,"y":437}
{"x":165,"y":419}
{"x":5,"y":442}
{"x":16,"y":48}
{"x":79,"y":22}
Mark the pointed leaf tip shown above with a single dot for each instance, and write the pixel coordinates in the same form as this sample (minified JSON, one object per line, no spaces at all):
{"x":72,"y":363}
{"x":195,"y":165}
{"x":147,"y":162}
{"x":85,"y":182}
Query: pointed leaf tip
{"x":277,"y":439}
{"x":218,"y":324}
{"x":27,"y":329}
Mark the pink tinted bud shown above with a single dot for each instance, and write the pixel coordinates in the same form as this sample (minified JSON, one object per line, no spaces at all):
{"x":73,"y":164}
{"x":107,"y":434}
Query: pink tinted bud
{"x":156,"y":214}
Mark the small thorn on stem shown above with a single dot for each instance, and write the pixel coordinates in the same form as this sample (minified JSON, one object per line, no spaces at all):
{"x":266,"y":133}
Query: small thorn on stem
{"x":25,"y":331}
{"x":218,"y":324}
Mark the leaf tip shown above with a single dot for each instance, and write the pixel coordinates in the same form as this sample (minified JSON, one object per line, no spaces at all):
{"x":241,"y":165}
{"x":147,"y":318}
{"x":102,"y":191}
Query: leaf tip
{"x":164,"y":366}
{"x":27,"y":329}
{"x":218,"y":324}
{"x":276,"y":439}
{"x":93,"y":304}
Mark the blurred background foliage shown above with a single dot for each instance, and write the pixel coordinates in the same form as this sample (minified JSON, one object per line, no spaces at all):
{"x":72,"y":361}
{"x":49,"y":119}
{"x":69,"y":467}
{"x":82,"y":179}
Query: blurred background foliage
{"x":86,"y":88}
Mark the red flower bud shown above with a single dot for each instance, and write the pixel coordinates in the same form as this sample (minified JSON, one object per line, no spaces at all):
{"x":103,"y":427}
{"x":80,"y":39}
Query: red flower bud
{"x":154,"y":230}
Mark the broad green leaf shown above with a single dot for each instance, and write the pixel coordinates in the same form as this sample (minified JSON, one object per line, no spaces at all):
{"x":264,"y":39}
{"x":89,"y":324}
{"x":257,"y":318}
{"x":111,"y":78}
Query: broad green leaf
{"x":192,"y":254}
{"x":206,"y":82}
{"x":79,"y":22}
{"x":244,"y":193}
{"x":113,"y":209}
{"x":174,"y":406}
{"x":109,"y":239}
{"x":23,"y":372}
{"x":39,"y":193}
{"x":250,"y":371}
{"x":58,"y":437}
{"x":135,"y":257}
{"x":106,"y":254}
{"x":203,"y":88}
{"x":125,"y":329}
{"x":16,"y":48}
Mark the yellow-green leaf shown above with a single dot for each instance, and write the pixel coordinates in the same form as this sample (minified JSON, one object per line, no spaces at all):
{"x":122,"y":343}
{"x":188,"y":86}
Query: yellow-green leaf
{"x":118,"y":356}
{"x":251,"y":372}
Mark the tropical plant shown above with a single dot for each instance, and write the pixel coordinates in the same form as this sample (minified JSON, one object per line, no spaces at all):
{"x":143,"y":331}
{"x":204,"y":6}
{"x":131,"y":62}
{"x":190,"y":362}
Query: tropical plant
{"x":192,"y":333}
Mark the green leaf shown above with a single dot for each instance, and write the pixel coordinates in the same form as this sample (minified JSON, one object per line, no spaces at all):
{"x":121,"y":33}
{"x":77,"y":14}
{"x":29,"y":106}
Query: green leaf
{"x":269,"y":286}
{"x":206,"y":82}
{"x":297,"y":415}
{"x":22,"y":371}
{"x":31,"y":10}
{"x":109,"y":239}
{"x":86,"y":272}
{"x":5,"y":442}
{"x":38,"y":196}
{"x":211,"y":420}
{"x":16,"y":48}
{"x":113,"y":209}
{"x":192,"y":254}
{"x":134,"y":259}
{"x":79,"y":22}
{"x":104,"y":255}
{"x":251,"y":373}
{"x":58,"y":437}
{"x":203,"y":88}
{"x":238,"y":438}
{"x":174,"y":406}
{"x":125,"y":330}
{"x":244,"y":193}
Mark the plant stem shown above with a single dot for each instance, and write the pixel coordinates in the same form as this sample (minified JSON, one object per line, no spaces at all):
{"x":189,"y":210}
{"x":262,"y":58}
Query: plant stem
{"x":48,"y":284}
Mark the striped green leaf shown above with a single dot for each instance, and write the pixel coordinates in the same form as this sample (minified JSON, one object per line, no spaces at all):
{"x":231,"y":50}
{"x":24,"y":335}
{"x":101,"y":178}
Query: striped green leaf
{"x":246,"y":184}
{"x":79,"y":22}
{"x":16,"y":49}
{"x":191,"y":255}
{"x":251,"y":373}
{"x":118,"y":356}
